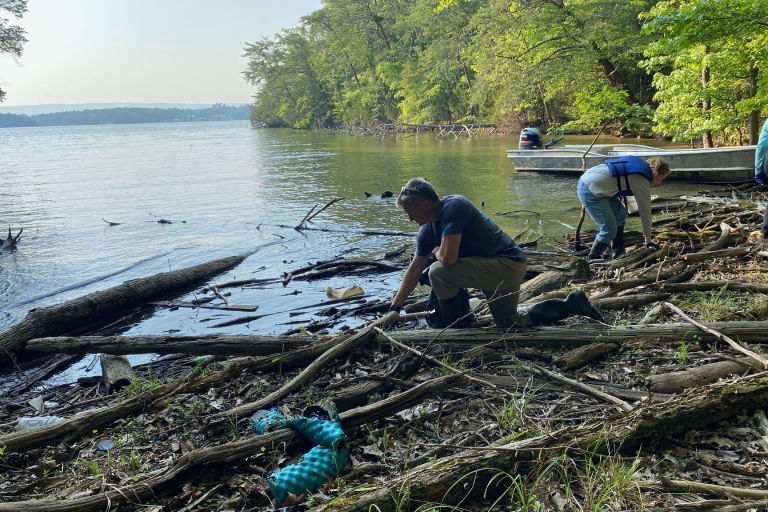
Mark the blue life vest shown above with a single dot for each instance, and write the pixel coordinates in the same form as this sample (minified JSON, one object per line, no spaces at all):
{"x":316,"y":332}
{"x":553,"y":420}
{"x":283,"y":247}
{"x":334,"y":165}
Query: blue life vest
{"x":623,"y":167}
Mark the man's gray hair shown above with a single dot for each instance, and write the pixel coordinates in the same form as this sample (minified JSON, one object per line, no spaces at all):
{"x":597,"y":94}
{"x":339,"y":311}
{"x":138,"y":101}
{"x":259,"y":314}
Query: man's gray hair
{"x":416,"y":191}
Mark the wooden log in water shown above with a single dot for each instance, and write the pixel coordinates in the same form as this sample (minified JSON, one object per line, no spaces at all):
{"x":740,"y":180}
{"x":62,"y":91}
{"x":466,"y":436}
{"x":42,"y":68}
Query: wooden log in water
{"x":66,"y":317}
{"x":116,"y":372}
{"x":247,"y":345}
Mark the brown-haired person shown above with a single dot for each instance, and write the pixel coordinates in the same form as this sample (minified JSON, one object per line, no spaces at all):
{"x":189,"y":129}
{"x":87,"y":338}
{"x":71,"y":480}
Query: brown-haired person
{"x":473,"y":252}
{"x":601,"y":190}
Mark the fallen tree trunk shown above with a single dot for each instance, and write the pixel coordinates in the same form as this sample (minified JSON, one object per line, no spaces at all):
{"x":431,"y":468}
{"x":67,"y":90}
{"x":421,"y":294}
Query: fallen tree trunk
{"x":248,"y":345}
{"x":750,"y":332}
{"x":116,"y":372}
{"x":583,"y":355}
{"x":441,"y":481}
{"x":640,"y":299}
{"x":706,"y":286}
{"x":63,"y":318}
{"x":675,"y":382}
{"x":546,"y":260}
{"x":189,"y":466}
{"x":542,"y":283}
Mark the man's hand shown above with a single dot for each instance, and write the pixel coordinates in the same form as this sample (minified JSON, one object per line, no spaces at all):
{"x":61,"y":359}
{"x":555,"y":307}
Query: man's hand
{"x":448,"y":252}
{"x":410,"y":280}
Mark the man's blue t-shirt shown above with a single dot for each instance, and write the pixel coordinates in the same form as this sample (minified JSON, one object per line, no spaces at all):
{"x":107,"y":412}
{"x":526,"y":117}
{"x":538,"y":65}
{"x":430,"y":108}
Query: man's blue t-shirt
{"x":480,"y":236}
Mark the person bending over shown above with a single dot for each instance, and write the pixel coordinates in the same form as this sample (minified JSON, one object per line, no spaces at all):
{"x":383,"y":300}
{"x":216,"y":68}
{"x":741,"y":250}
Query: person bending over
{"x":761,"y":175}
{"x":601,"y":189}
{"x":472,"y":252}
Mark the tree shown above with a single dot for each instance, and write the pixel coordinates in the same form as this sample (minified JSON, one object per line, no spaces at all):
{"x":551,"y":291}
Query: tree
{"x":709,"y":61}
{"x":11,"y":36}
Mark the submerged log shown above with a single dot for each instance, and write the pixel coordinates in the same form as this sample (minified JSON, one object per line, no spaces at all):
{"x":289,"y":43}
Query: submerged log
{"x":116,"y":372}
{"x":441,"y":481}
{"x":213,"y":344}
{"x":63,"y":318}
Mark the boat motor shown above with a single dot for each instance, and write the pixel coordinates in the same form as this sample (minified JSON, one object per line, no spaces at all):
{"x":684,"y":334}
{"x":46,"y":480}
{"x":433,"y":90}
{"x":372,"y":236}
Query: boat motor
{"x":530,"y":138}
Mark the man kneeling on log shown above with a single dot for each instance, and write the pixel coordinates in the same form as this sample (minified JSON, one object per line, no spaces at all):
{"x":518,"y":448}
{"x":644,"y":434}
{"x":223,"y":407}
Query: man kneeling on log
{"x":473,"y":252}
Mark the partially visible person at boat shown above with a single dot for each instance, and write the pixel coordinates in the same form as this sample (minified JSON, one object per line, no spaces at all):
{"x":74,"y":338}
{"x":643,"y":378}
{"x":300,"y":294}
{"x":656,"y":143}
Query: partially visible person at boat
{"x":472,"y":251}
{"x":761,"y":175}
{"x":601,"y":190}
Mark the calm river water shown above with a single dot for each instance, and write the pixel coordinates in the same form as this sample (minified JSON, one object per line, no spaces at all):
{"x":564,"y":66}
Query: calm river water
{"x":232,"y":185}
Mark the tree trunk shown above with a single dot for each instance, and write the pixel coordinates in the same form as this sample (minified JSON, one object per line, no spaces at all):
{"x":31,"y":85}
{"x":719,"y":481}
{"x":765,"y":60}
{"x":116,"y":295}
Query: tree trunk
{"x":754,"y":116}
{"x":63,"y":318}
{"x":213,"y":344}
{"x":583,"y":355}
{"x":116,"y":372}
{"x":675,"y":382}
{"x":750,"y":332}
{"x":640,"y":299}
{"x":706,"y":104}
{"x":545,"y":282}
{"x":442,"y":481}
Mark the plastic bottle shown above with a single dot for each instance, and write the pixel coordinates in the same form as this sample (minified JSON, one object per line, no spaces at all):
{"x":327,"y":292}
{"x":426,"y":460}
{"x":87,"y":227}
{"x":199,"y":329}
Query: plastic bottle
{"x":28,"y":423}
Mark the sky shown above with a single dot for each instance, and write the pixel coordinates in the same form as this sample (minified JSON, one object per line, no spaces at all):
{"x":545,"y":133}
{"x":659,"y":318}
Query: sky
{"x":140,"y":51}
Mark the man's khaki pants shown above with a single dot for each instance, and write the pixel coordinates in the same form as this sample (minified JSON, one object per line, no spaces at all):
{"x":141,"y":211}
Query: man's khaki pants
{"x":498,"y":278}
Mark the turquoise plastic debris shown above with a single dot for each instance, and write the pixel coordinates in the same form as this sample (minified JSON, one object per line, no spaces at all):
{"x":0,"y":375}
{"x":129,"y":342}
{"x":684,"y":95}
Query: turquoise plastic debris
{"x":268,"y":421}
{"x":321,"y":464}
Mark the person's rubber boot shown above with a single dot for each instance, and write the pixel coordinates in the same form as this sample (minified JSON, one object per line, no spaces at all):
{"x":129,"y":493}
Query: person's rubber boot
{"x":617,"y":244}
{"x":550,"y":311}
{"x":598,"y":248}
{"x":455,"y":309}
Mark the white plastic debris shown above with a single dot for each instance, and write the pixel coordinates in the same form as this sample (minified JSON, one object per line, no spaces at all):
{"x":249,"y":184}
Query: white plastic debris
{"x":37,"y":403}
{"x":361,"y":373}
{"x":28,"y":423}
{"x":343,"y":293}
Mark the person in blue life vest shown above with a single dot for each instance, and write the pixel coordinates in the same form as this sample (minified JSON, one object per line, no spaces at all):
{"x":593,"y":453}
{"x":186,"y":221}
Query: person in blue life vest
{"x":472,"y":252}
{"x":601,"y":190}
{"x":761,"y":175}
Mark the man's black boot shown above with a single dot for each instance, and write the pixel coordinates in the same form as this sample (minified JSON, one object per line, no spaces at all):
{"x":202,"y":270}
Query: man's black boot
{"x":598,"y":248}
{"x":552,"y":310}
{"x":457,"y":308}
{"x":617,"y":244}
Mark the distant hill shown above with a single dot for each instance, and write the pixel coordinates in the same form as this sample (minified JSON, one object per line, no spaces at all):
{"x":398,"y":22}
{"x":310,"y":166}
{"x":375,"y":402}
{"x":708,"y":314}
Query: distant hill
{"x":33,"y":110}
{"x":129,"y":115}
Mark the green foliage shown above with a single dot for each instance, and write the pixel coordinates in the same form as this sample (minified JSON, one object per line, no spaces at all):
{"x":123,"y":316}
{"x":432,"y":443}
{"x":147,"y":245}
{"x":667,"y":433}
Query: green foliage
{"x":11,"y":36}
{"x":708,"y":57}
{"x":567,"y":64}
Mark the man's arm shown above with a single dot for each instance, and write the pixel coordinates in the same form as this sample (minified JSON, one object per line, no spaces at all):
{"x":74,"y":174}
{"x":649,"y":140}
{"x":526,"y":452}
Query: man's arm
{"x":410,"y":279}
{"x":448,"y":252}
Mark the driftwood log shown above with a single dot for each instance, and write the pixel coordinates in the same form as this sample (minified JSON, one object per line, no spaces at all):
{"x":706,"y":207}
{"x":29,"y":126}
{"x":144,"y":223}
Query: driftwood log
{"x":541,"y":261}
{"x":73,"y":314}
{"x":583,"y":355}
{"x":116,"y":372}
{"x":191,"y":465}
{"x":675,"y":382}
{"x":640,"y":299}
{"x":545,"y":282}
{"x":441,"y":481}
{"x":750,"y":332}
{"x":248,"y":345}
{"x":706,"y":286}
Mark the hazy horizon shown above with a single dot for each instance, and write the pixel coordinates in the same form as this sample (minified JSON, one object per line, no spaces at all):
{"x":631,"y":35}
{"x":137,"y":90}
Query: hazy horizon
{"x":86,"y":51}
{"x":49,"y":108}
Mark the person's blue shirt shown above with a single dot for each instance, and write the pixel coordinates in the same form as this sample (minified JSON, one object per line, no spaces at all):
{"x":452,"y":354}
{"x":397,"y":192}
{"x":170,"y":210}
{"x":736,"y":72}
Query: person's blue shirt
{"x":480,"y":236}
{"x":760,"y":156}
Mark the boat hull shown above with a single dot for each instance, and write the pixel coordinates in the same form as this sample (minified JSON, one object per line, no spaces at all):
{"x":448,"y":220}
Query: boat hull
{"x":711,"y":165}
